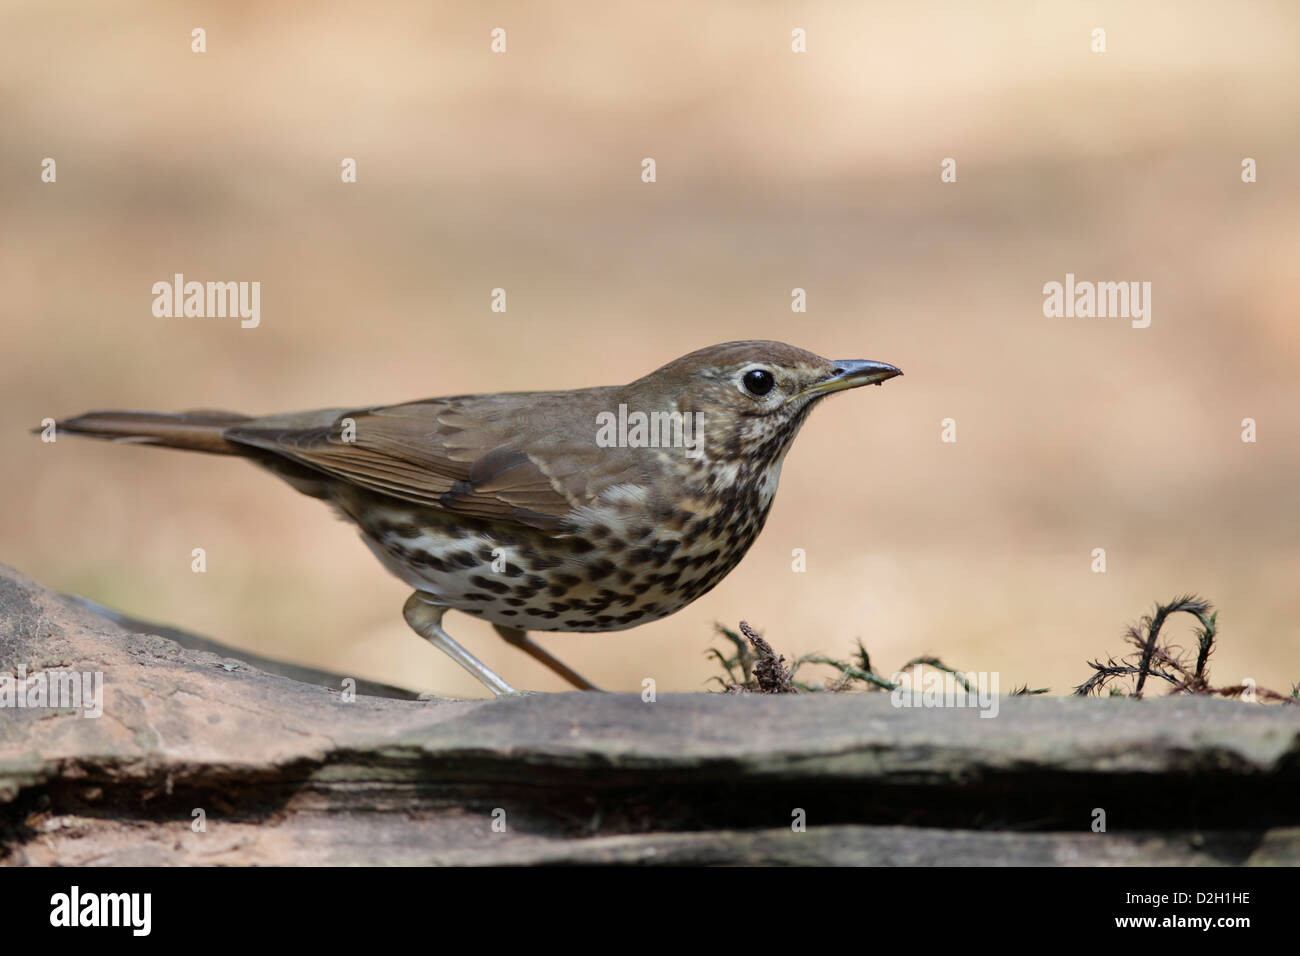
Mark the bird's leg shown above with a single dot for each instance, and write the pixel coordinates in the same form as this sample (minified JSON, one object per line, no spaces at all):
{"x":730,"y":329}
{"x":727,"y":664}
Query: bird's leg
{"x":425,"y":618}
{"x":519,"y":638}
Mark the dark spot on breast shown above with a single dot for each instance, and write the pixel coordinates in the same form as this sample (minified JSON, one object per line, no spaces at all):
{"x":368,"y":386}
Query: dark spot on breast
{"x":487,"y":584}
{"x":665,"y":549}
{"x":422,"y":559}
{"x":600,"y":569}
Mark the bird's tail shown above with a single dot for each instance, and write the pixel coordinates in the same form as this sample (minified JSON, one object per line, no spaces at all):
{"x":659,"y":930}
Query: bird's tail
{"x":195,"y":431}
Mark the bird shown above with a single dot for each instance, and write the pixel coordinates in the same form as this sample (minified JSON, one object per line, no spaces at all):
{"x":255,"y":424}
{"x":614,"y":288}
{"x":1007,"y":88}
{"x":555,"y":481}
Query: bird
{"x":585,"y":510}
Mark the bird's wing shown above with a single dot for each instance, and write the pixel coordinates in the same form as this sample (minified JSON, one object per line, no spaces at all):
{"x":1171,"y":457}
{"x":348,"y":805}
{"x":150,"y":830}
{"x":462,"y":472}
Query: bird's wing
{"x":524,"y":458}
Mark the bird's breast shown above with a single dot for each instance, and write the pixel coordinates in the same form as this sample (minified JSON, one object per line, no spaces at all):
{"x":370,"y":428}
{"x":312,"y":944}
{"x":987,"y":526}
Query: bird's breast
{"x":637,"y":553}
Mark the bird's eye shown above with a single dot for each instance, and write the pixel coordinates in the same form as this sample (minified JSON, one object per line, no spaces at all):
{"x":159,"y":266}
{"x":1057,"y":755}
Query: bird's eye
{"x":758,"y":381}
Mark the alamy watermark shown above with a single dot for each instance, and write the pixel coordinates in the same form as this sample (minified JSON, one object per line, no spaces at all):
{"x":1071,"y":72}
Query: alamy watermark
{"x":637,"y":429}
{"x":1098,"y":300}
{"x":133,"y":911}
{"x":933,"y":688}
{"x":211,"y":300}
{"x":64,"y":689}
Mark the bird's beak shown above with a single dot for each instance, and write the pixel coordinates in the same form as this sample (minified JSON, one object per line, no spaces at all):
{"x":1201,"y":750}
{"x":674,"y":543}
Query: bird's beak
{"x":851,"y":373}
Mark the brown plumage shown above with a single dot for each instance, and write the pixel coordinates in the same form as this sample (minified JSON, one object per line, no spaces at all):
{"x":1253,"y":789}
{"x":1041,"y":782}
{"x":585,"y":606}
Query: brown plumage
{"x":516,"y":507}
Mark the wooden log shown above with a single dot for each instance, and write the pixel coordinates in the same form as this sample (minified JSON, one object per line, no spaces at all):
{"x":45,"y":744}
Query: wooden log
{"x":282,"y":769}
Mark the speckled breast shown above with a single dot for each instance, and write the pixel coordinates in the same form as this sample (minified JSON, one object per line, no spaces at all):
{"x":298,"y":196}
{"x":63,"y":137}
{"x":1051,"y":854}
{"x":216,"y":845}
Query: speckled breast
{"x":619,"y":563}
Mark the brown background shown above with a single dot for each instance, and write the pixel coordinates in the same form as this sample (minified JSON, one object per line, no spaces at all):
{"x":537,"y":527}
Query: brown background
{"x":775,"y":170}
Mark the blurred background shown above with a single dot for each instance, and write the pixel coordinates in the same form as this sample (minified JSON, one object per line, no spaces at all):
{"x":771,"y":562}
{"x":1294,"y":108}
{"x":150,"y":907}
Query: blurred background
{"x":775,"y":170}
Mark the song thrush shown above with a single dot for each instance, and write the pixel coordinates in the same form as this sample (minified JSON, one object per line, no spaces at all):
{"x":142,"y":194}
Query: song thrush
{"x":588,"y":510}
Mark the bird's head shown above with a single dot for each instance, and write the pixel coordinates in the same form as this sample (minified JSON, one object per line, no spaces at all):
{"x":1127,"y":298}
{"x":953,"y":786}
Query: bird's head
{"x":751,"y":397}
